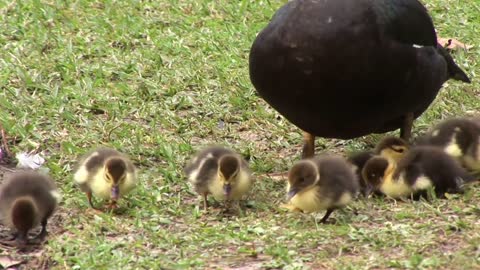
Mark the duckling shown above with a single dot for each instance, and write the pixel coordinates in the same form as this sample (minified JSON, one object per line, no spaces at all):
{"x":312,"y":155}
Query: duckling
{"x":27,"y":199}
{"x":379,"y":76}
{"x":219,"y":171}
{"x":389,"y":147}
{"x":107,"y":174}
{"x":422,"y":168}
{"x":321,"y":183}
{"x":458,"y":137}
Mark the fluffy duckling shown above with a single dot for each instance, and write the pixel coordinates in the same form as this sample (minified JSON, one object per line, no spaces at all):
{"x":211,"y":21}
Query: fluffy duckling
{"x":107,"y":174}
{"x":389,"y":147}
{"x":321,"y":183}
{"x":423,"y":167}
{"x":219,"y":171}
{"x":27,"y":199}
{"x":458,"y":137}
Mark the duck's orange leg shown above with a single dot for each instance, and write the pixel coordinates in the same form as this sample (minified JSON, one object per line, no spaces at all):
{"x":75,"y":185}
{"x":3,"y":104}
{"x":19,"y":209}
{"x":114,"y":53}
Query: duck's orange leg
{"x":406,"y":129}
{"x":308,"y":145}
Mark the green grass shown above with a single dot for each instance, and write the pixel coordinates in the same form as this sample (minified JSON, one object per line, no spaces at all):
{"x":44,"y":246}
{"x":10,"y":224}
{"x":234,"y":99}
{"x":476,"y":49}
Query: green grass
{"x":161,"y":79}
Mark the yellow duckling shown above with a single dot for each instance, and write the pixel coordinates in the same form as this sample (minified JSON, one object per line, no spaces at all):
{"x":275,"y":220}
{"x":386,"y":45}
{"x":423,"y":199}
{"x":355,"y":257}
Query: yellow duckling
{"x":106,"y":173}
{"x":321,"y":183}
{"x":422,"y":168}
{"x":27,"y":199}
{"x":389,"y":147}
{"x":221,"y":172}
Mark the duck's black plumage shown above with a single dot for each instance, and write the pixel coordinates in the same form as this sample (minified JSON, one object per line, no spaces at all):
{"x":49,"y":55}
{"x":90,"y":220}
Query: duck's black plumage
{"x":347,"y":68}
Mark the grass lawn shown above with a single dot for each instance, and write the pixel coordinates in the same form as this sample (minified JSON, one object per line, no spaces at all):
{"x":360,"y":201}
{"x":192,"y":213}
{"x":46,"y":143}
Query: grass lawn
{"x":160,"y":80}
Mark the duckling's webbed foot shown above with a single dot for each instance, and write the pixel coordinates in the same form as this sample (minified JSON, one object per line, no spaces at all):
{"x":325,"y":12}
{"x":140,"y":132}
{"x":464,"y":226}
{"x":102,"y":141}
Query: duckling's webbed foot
{"x":406,"y":129}
{"x":22,"y":239}
{"x":308,"y":145}
{"x":324,"y":219}
{"x":113,"y":205}
{"x":13,"y":236}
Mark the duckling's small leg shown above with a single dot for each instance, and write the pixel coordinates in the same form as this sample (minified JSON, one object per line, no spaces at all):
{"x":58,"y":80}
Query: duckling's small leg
{"x":308,"y":145}
{"x":324,"y":219}
{"x":406,"y":130}
{"x":89,"y":197}
{"x":205,"y":201}
{"x":239,"y":208}
{"x":43,"y":233}
{"x":22,"y":239}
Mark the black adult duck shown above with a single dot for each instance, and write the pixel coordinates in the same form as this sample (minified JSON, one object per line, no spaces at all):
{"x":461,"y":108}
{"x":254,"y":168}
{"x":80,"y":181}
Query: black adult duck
{"x":348,"y":68}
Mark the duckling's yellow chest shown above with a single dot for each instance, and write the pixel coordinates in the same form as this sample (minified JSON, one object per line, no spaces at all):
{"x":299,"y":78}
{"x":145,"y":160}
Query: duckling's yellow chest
{"x":311,"y":201}
{"x":241,"y":186}
{"x":396,"y":188}
{"x":103,"y":189}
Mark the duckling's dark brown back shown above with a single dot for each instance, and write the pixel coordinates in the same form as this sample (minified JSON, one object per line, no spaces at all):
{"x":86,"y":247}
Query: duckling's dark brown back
{"x":205,"y":164}
{"x":95,"y":162}
{"x":40,"y":188}
{"x":465,"y":131}
{"x":336,"y":175}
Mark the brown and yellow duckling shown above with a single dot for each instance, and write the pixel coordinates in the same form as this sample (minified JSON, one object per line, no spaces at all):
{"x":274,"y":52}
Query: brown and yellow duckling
{"x":220,"y":172}
{"x":389,"y":147}
{"x":27,"y":199}
{"x":458,"y":137}
{"x":321,"y":183}
{"x":107,"y":174}
{"x":422,"y":168}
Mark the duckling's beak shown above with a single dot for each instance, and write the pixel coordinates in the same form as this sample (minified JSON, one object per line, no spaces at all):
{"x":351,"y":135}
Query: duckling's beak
{"x":291,"y":193}
{"x":227,"y":189}
{"x":115,"y":192}
{"x":368,"y":190}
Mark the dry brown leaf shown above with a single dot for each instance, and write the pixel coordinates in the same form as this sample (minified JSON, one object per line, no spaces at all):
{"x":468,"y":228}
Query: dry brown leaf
{"x":6,"y":262}
{"x":453,"y":44}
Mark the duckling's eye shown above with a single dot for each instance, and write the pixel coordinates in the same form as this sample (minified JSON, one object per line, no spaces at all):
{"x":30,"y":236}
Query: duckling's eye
{"x":401,"y":150}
